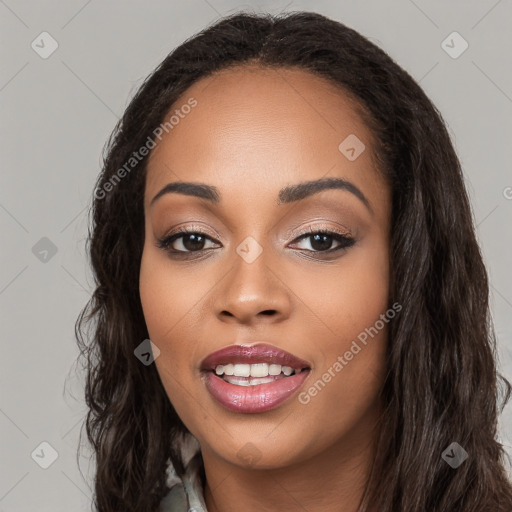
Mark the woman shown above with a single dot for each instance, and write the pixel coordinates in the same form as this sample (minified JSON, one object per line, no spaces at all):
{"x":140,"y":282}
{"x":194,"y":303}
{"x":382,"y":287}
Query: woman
{"x":282,"y":213}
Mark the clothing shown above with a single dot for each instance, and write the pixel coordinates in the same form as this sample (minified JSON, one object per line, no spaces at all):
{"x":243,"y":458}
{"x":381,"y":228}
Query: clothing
{"x":186,"y":494}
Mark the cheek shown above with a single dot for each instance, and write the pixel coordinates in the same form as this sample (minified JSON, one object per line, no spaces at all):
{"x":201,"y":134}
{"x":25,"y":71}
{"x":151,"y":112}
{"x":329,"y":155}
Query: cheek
{"x":349,"y":298}
{"x":157,"y":288}
{"x":170,"y":297}
{"x":162,"y":312}
{"x":171,"y":307}
{"x":351,"y":340}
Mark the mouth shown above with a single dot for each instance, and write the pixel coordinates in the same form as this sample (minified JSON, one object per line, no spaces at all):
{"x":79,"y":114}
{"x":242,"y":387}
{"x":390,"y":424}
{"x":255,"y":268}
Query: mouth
{"x":252,"y":379}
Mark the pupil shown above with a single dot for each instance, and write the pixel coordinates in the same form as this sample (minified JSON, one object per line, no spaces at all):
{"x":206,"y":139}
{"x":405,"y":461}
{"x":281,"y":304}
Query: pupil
{"x":321,"y":242}
{"x":197,"y":242}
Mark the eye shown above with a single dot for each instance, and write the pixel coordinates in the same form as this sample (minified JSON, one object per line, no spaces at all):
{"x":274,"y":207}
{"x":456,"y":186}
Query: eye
{"x":192,"y":240}
{"x":322,"y":240}
{"x":185,"y":241}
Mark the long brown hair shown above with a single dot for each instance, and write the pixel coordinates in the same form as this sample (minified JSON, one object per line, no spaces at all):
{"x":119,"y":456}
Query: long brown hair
{"x":442,"y":385}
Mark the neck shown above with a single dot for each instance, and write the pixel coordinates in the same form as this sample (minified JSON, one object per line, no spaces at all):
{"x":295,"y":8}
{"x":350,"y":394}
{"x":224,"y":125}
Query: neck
{"x":332,"y":480}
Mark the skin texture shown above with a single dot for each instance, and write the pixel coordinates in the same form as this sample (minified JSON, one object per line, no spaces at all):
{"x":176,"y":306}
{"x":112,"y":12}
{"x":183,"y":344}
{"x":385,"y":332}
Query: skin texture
{"x":253,"y":132}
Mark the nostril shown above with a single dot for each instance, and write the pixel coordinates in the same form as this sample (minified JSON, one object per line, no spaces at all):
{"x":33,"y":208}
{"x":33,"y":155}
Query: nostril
{"x":268,"y":312}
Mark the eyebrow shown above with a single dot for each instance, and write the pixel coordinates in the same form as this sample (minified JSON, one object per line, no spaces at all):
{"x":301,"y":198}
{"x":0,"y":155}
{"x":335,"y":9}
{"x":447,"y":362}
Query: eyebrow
{"x":288,"y":194}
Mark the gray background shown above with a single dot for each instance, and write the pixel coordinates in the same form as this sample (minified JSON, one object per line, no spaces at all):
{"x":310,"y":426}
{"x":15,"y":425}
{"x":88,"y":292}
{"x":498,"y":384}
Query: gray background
{"x":56,"y":115}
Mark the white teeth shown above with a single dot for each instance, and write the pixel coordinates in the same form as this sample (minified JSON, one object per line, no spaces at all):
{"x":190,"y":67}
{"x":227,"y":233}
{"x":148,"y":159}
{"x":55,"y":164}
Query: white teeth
{"x":257,"y":370}
{"x":274,"y":369}
{"x":287,"y":370}
{"x":229,"y":369}
{"x":242,"y":370}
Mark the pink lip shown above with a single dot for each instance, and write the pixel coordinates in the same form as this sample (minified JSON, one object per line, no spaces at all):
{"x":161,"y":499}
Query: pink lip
{"x":253,"y":399}
{"x":260,"y":353}
{"x":259,"y":398}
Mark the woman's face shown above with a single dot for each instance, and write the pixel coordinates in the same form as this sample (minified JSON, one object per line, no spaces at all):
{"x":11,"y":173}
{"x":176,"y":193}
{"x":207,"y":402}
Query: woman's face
{"x":251,"y":269}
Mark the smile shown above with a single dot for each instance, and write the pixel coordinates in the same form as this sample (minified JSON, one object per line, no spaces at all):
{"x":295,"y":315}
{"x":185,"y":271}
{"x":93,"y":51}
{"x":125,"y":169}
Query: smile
{"x":253,"y":379}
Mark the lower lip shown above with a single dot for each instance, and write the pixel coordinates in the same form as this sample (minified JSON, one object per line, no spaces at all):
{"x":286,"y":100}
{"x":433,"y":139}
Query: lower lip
{"x":253,"y":399}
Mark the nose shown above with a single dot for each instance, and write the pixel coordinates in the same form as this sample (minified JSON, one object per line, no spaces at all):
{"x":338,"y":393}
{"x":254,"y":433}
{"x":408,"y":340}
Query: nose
{"x":252,"y":292}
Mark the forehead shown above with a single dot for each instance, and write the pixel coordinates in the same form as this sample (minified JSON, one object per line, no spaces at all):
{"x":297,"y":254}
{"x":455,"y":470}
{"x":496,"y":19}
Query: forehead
{"x":256,"y":129}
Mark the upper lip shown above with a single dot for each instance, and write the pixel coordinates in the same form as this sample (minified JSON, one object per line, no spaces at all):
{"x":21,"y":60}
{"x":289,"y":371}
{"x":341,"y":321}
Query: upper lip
{"x":259,"y":353}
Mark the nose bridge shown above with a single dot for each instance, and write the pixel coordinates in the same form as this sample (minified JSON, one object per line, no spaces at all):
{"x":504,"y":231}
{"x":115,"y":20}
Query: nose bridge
{"x":252,"y":289}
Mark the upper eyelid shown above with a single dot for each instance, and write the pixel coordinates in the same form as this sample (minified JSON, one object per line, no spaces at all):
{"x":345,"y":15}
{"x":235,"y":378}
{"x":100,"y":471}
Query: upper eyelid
{"x":323,"y":228}
{"x":289,"y":232}
{"x":190,"y":229}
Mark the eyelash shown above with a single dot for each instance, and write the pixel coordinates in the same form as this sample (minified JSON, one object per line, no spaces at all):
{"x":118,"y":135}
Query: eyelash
{"x":345,"y":241}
